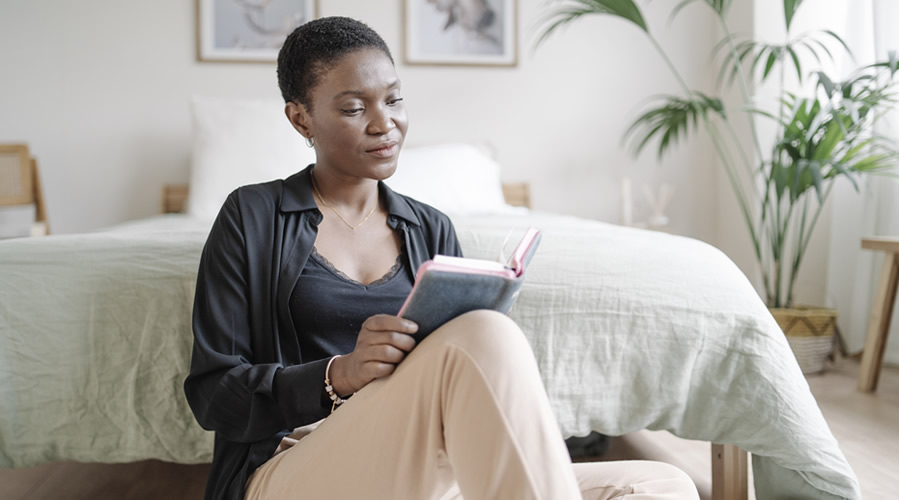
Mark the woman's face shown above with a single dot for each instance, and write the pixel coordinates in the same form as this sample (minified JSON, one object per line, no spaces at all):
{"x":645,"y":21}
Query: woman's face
{"x":357,"y":118}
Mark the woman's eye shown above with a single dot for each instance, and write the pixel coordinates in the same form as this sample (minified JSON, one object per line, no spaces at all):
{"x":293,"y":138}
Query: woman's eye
{"x":394,"y":102}
{"x":352,"y":111}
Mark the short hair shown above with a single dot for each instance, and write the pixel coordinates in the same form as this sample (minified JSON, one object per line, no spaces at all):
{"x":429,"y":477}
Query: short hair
{"x":311,"y":49}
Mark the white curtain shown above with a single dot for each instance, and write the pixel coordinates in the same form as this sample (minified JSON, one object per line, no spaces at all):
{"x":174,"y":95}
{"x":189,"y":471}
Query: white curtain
{"x":853,"y":274}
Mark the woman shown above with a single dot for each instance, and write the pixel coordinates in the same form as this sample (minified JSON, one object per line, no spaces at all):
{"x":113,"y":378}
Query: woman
{"x":295,"y":307}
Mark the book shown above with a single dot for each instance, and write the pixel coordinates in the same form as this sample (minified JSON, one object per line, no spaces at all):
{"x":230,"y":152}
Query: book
{"x":447,"y":287}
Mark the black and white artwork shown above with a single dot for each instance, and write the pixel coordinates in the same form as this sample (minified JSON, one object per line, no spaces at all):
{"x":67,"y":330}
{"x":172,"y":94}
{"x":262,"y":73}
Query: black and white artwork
{"x":248,"y":30}
{"x":461,"y":32}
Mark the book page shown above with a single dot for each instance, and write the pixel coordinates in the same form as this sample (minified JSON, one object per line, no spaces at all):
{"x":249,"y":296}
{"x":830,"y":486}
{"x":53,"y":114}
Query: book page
{"x":485,"y":265}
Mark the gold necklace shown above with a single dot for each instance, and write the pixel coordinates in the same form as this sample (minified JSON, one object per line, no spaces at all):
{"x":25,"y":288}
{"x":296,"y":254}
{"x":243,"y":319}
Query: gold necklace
{"x":325,"y":203}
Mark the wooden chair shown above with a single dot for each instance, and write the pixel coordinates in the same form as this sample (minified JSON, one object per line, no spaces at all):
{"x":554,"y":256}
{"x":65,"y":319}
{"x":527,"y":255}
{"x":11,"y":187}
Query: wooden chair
{"x":20,"y":183}
{"x":881,"y":312}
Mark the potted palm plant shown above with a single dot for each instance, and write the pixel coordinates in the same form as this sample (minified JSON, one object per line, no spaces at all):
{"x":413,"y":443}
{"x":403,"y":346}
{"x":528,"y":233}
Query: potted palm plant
{"x":823,"y":134}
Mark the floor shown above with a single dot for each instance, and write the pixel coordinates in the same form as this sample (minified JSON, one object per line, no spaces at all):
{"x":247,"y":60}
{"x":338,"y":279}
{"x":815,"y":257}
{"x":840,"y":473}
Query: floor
{"x":864,"y":424}
{"x":147,"y":480}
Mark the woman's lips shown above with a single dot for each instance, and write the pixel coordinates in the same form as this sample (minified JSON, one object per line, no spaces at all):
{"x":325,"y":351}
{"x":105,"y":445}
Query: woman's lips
{"x":385,"y":150}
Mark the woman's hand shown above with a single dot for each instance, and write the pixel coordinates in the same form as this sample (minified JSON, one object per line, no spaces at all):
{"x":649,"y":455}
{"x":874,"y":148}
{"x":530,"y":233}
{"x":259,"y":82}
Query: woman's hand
{"x":382,"y":343}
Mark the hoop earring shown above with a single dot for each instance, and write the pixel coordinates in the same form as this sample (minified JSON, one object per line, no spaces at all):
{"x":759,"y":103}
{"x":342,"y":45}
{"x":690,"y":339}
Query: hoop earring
{"x":310,"y":142}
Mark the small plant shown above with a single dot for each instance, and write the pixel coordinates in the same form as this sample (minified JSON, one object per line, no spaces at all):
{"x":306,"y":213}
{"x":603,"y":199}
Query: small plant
{"x":820,"y":137}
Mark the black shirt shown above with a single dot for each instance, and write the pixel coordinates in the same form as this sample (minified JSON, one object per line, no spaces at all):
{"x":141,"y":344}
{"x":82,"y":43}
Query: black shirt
{"x":249,"y":380}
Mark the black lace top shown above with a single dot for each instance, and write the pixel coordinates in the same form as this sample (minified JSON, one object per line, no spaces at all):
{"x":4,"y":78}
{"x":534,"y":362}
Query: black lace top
{"x":329,"y":307}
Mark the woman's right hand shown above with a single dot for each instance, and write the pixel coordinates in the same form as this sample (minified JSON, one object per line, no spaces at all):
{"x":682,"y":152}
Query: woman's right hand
{"x":383,"y":342}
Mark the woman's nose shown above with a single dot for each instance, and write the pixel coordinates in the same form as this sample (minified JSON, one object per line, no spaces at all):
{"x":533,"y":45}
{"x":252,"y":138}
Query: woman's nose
{"x":381,"y":123}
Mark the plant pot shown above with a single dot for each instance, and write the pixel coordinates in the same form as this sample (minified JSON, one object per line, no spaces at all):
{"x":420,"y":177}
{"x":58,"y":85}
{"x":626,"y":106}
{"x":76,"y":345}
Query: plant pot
{"x":810,"y":332}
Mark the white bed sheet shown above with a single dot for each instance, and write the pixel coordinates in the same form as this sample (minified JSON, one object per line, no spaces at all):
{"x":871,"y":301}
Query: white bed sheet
{"x":631,"y":329}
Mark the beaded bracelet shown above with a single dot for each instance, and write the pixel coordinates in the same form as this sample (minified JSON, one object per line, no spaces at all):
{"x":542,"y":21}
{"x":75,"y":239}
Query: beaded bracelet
{"x":335,"y":399}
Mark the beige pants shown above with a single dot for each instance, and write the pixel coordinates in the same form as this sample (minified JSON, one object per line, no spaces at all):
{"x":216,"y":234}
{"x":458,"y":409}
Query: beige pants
{"x":464,"y":414}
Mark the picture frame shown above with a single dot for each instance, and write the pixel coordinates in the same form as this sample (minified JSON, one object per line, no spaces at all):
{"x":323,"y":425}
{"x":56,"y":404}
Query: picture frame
{"x":248,"y":30}
{"x":461,"y":33}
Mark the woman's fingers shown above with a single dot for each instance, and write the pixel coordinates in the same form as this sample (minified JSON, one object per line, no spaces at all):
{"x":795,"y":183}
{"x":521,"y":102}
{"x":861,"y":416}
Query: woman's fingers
{"x":386,"y":322}
{"x":402,"y":341}
{"x":381,"y":353}
{"x":377,"y":369}
{"x":390,"y":330}
{"x":387,"y":354}
{"x":382,"y":343}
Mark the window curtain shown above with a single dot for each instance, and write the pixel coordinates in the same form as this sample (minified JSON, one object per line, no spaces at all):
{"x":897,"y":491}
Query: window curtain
{"x":853,"y":273}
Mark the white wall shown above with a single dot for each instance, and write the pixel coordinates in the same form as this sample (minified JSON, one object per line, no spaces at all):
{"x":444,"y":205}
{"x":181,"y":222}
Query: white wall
{"x":732,"y":235}
{"x":99,"y":89}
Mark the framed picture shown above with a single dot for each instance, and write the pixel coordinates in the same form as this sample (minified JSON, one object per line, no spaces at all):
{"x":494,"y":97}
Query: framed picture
{"x":248,"y":30}
{"x":461,"y":32}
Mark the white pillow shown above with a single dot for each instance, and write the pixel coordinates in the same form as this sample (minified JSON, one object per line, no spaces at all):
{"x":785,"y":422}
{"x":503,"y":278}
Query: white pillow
{"x":239,"y":142}
{"x":454,"y":178}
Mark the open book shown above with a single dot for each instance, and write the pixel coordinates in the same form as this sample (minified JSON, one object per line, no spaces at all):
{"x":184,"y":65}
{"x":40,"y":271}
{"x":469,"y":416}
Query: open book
{"x":446,"y":287}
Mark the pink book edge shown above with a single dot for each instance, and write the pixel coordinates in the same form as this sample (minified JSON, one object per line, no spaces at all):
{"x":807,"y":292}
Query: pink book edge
{"x":523,"y":248}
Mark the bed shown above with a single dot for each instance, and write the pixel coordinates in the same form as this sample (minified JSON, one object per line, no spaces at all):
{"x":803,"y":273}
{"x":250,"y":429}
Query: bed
{"x":632,"y":329}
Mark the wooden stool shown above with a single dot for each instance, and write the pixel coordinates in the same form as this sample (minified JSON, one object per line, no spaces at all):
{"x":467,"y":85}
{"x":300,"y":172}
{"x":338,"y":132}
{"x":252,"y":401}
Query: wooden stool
{"x":882,"y":312}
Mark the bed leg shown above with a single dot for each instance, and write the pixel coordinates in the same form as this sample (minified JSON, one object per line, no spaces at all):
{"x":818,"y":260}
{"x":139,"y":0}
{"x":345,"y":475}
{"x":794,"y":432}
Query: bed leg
{"x":730,"y":477}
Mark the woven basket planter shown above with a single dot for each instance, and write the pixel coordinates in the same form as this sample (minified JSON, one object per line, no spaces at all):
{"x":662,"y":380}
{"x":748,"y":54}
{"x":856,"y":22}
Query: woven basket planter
{"x":810,"y":332}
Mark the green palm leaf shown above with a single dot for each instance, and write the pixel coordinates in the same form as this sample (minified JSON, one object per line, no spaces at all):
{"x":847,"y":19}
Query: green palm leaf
{"x":773,"y":57}
{"x":838,"y":168}
{"x":672,"y":118}
{"x":719,"y":6}
{"x":790,"y":8}
{"x":678,"y":8}
{"x":815,"y":169}
{"x":833,"y":134}
{"x":572,"y":10}
{"x":876,"y":162}
{"x":892,"y":63}
{"x":796,"y":64}
{"x":838,"y":39}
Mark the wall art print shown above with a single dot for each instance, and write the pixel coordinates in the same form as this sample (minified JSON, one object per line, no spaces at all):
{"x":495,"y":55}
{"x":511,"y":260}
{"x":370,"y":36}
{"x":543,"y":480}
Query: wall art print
{"x":248,"y":30}
{"x":461,"y":32}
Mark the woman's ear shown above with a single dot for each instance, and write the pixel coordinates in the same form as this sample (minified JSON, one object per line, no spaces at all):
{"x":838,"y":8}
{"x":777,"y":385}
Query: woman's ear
{"x":299,"y":118}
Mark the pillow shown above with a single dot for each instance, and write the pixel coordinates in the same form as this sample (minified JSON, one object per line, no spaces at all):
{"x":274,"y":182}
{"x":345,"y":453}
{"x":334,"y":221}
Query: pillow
{"x":239,"y":142}
{"x":457,"y":179}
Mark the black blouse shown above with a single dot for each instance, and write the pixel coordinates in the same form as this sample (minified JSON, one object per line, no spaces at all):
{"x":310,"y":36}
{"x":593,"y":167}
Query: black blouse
{"x":249,"y":380}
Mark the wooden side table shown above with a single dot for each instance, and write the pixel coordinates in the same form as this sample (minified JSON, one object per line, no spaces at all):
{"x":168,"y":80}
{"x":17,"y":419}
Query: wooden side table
{"x":881,"y":313}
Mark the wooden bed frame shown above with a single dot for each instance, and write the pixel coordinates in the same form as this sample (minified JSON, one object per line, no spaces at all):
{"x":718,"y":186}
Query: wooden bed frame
{"x":730,"y":477}
{"x":22,"y":184}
